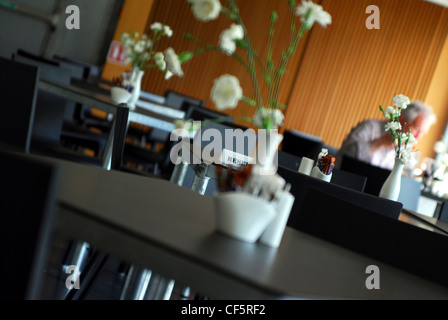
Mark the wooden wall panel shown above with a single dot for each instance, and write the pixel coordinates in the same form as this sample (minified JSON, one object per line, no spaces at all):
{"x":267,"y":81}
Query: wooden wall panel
{"x":437,"y":97}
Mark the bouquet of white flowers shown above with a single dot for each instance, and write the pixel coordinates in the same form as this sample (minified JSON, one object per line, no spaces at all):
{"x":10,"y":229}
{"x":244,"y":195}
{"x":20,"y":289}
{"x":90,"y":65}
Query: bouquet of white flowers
{"x":402,"y":140}
{"x":141,"y":51}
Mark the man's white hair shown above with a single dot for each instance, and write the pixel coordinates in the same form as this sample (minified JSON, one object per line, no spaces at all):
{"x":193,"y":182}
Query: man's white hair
{"x":417,"y":107}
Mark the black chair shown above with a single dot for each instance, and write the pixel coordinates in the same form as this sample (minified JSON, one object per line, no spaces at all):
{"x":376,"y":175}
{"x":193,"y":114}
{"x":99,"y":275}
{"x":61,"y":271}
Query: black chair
{"x":18,"y":89}
{"x":361,"y":229}
{"x":376,"y":176}
{"x":288,"y":160}
{"x":50,"y":108}
{"x":442,"y":211}
{"x":349,"y":180}
{"x":301,"y":144}
{"x":28,"y":190}
{"x":180,"y":101}
{"x":300,"y":183}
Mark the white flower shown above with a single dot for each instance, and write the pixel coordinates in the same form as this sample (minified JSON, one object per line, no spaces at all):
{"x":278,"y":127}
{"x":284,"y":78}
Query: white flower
{"x":226,"y":92}
{"x":140,"y":46}
{"x":439,"y":147}
{"x":393,"y":125}
{"x":156,"y":26}
{"x":275,"y":115}
{"x":411,"y":138}
{"x":168,"y":31}
{"x":311,"y":13}
{"x":388,"y":111}
{"x":173,"y":64}
{"x":406,"y":155}
{"x":128,"y":43}
{"x":228,"y":37}
{"x":168,"y":74}
{"x":145,"y":56}
{"x":159,"y":60}
{"x":124,"y":37}
{"x":206,"y":10}
{"x":401,"y":101}
{"x":278,"y":117}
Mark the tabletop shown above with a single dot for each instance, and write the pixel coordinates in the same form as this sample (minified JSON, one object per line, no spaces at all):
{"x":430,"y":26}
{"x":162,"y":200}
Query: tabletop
{"x":170,"y":230}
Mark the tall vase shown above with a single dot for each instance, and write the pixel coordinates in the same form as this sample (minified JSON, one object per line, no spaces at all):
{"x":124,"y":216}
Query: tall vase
{"x":136,"y":80}
{"x":268,"y":142}
{"x":391,"y":187}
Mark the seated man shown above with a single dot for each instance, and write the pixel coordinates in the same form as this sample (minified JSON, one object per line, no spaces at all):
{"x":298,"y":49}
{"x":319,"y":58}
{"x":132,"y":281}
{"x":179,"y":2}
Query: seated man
{"x":370,"y":142}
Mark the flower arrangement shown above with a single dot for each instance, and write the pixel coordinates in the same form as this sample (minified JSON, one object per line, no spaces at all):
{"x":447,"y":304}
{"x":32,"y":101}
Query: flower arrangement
{"x":227,"y":92}
{"x":141,"y":51}
{"x":402,"y":140}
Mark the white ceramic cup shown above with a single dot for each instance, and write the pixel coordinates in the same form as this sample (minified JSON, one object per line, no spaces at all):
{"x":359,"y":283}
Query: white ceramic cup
{"x":306,"y":165}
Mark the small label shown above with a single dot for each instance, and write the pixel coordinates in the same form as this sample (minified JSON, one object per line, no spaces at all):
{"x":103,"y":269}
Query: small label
{"x":235,"y":159}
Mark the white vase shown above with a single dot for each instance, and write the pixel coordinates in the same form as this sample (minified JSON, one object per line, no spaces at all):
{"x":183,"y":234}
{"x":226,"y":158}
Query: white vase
{"x":391,"y":187}
{"x":267,"y":146}
{"x":242,"y":216}
{"x":136,"y":80}
{"x":273,"y":234}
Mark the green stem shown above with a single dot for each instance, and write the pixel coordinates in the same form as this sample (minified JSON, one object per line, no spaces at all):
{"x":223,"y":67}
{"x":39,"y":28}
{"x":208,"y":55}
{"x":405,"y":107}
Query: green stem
{"x":250,"y":54}
{"x":208,"y":47}
{"x":270,"y":62}
{"x":286,"y":56}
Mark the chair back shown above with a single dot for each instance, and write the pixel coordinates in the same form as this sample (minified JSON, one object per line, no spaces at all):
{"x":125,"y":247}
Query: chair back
{"x":300,"y":183}
{"x":18,"y":89}
{"x":28,"y":189}
{"x":301,"y":144}
{"x":50,"y":108}
{"x":443,"y":212}
{"x":349,"y":180}
{"x":88,"y":70}
{"x":288,"y":160}
{"x":376,"y":176}
{"x":180,"y":101}
{"x":363,"y":230}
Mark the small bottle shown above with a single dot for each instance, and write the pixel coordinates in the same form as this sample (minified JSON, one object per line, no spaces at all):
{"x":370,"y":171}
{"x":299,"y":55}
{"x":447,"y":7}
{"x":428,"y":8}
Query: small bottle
{"x":322,"y":154}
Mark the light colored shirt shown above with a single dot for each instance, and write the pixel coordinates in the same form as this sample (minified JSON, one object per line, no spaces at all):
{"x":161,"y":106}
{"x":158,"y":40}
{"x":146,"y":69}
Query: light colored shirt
{"x":357,"y":145}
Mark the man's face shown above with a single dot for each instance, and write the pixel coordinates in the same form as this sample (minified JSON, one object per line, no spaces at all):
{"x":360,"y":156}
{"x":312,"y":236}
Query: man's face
{"x":419,"y":126}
